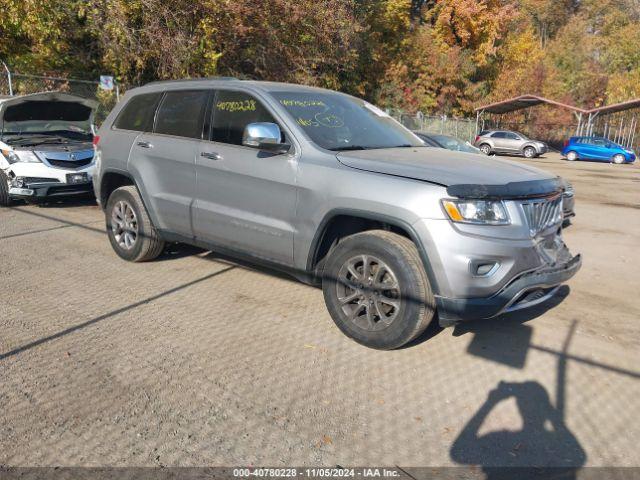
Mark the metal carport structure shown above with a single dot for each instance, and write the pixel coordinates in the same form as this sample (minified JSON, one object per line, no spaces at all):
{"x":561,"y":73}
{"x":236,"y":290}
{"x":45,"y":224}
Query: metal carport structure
{"x":614,"y":122}
{"x":617,"y":122}
{"x":522,"y":102}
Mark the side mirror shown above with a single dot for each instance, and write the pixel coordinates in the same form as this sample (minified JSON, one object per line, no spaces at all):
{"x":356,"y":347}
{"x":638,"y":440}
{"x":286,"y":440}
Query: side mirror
{"x":264,"y":136}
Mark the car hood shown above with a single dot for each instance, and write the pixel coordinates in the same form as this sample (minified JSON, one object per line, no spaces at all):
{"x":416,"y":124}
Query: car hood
{"x":465,"y":174}
{"x":30,"y":111}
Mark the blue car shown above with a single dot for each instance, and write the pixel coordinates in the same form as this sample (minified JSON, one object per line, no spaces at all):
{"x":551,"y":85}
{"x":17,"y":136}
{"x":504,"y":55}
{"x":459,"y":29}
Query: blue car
{"x":597,"y":148}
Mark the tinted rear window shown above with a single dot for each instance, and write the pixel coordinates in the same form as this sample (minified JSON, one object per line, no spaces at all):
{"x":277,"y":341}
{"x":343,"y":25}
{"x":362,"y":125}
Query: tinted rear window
{"x":181,"y":113}
{"x":138,"y":113}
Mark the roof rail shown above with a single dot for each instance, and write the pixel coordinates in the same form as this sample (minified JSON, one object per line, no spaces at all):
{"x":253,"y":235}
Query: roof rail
{"x":190,"y":80}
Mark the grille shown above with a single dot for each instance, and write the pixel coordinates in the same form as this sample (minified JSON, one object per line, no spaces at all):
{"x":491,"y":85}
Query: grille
{"x":542,"y":214}
{"x":40,"y":180}
{"x":75,"y":164}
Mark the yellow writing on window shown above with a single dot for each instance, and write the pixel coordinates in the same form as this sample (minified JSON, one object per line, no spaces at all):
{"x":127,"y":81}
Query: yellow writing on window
{"x":242,"y":106}
{"x":307,"y":122}
{"x":303,"y":103}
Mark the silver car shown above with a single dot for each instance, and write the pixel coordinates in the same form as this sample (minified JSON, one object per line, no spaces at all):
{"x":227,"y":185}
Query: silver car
{"x":507,"y":142}
{"x":333,"y":190}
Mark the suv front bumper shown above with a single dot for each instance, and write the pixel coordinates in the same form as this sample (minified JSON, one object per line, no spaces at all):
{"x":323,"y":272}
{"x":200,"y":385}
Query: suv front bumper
{"x":525,"y":291}
{"x":50,"y":190}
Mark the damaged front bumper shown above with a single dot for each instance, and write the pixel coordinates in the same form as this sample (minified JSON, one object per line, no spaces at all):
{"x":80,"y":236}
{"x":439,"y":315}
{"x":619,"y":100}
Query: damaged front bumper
{"x":524,"y":291}
{"x":49,"y":190}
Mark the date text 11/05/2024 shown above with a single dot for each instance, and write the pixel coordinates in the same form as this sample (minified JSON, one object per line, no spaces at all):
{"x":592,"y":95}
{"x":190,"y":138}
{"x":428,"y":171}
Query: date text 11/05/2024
{"x":316,"y":472}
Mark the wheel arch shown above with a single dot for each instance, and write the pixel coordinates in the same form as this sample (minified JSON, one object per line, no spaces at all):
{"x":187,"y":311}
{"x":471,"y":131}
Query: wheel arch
{"x":340,"y":223}
{"x":110,"y":181}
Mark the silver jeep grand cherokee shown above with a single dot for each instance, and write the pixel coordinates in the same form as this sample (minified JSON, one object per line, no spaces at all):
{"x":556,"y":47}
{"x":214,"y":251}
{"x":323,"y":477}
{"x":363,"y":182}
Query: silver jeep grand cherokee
{"x":331,"y":189}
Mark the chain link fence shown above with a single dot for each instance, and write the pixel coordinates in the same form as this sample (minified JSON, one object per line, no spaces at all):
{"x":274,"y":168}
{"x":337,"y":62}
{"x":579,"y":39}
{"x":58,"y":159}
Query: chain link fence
{"x":462,"y":128}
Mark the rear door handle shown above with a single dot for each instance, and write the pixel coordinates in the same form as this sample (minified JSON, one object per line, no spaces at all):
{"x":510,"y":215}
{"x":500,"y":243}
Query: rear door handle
{"x":144,"y":144}
{"x":211,"y":155}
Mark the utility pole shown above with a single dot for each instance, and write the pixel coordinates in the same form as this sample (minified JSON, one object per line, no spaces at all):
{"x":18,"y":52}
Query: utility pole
{"x":8,"y":77}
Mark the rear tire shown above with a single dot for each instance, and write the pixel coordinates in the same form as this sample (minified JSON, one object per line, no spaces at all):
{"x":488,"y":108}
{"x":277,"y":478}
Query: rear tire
{"x":618,"y":159}
{"x":389,"y":304}
{"x":130,"y":231}
{"x":5,"y":199}
{"x":529,"y":152}
{"x":572,"y":156}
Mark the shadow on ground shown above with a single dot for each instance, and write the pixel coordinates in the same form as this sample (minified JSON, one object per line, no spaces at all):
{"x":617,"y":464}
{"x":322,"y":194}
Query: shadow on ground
{"x":544,"y":441}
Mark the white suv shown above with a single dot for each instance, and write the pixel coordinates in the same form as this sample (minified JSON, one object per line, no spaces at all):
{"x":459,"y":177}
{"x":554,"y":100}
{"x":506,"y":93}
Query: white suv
{"x":46,"y":145}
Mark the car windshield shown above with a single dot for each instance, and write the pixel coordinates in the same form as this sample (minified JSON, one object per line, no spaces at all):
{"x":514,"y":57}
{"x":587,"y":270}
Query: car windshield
{"x":338,"y":122}
{"x":452,"y":143}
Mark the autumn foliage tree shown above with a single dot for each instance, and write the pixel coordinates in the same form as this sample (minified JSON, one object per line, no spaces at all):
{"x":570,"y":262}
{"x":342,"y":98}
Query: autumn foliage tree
{"x":430,"y":55}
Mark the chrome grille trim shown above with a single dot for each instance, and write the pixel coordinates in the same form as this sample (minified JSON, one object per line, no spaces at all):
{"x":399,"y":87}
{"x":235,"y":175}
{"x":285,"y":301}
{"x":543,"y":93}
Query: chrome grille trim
{"x":541,"y":214}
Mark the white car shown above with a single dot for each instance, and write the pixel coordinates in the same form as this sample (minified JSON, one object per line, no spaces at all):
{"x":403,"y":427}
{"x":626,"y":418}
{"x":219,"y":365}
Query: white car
{"x":46,"y":146}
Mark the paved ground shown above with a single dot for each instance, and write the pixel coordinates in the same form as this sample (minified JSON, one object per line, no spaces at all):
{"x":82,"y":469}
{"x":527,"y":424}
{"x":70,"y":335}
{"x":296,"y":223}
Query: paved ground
{"x":191,"y":360}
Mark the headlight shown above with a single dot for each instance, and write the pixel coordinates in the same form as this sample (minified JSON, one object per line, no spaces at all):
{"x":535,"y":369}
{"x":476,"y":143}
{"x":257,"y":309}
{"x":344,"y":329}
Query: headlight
{"x":21,"y":156}
{"x":483,"y":212}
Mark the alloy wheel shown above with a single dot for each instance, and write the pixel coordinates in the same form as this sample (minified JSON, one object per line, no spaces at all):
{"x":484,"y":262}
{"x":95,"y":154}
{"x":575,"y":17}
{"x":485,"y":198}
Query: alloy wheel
{"x":124,"y":225}
{"x":368,"y":292}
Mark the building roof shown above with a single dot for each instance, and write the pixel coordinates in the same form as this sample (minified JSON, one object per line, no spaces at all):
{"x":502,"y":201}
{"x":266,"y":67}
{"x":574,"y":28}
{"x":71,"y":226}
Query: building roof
{"x":524,"y":101}
{"x":617,"y":107}
{"x":527,"y":101}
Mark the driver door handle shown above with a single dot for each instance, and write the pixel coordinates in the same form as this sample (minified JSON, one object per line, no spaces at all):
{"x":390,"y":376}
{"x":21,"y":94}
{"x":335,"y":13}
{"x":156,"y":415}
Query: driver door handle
{"x":144,"y":144}
{"x":211,"y":155}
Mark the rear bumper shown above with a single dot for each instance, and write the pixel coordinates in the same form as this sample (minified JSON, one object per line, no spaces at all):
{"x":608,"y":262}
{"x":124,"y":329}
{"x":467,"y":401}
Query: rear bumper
{"x":51,"y":190}
{"x":525,"y":291}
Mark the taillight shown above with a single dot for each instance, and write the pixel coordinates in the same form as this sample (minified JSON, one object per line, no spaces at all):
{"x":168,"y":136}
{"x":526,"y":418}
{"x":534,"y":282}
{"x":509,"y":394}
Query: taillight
{"x":566,"y":143}
{"x":477,"y":138}
{"x":96,"y":139}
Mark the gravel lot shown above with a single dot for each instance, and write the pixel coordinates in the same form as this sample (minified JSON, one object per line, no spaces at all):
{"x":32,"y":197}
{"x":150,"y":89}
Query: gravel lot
{"x":193,"y":360}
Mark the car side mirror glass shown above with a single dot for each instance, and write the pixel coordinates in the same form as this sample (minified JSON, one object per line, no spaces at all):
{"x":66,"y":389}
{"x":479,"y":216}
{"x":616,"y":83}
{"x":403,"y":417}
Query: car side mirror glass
{"x":264,"y":136}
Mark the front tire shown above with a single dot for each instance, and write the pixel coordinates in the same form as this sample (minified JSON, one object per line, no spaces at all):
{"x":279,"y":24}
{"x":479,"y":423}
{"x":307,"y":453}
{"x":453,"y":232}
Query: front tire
{"x":5,"y":199}
{"x":530,"y":152}
{"x":485,"y":148}
{"x":131,"y":233}
{"x":618,"y":159}
{"x":376,"y":289}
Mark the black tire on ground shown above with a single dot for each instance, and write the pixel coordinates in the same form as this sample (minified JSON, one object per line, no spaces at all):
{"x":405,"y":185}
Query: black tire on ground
{"x":486,"y":149}
{"x":5,"y":200}
{"x":147,"y":245}
{"x":416,"y":305}
{"x":530,"y":152}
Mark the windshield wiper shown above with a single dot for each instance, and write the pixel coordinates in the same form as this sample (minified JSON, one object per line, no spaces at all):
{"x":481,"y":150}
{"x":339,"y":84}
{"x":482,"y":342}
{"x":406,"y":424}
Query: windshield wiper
{"x":348,"y":147}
